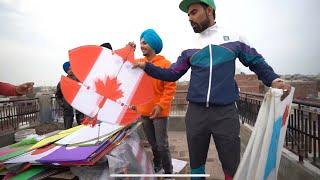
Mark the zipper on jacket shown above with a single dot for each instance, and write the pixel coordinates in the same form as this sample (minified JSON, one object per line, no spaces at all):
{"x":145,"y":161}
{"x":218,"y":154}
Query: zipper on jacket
{"x":210,"y":76}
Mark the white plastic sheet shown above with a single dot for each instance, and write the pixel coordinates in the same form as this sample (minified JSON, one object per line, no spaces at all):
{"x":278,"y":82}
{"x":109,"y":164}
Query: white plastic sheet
{"x":262,"y":156}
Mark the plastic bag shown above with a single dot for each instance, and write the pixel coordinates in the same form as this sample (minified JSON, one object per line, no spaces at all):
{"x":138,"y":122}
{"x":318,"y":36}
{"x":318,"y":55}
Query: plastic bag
{"x":98,"y":171}
{"x":261,"y":158}
{"x":127,"y":158}
{"x":130,"y":158}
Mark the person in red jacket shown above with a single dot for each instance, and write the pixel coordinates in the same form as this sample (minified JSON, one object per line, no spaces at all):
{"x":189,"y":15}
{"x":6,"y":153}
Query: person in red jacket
{"x":155,"y":113}
{"x":7,"y":89}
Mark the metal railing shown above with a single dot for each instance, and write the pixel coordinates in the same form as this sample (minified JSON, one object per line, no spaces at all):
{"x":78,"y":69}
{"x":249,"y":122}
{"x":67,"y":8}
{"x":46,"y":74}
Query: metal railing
{"x":20,"y":113}
{"x":178,"y":108}
{"x":303,"y":130}
{"x":57,"y":111}
{"x":302,"y":138}
{"x":179,"y":104}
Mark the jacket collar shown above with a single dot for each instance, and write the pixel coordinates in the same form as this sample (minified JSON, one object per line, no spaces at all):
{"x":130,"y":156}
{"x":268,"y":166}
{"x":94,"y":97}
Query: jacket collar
{"x":209,"y":30}
{"x":155,"y":59}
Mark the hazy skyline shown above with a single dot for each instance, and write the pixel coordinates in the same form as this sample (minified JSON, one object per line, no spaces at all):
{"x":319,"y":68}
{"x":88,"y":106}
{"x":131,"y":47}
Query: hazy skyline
{"x":35,"y":35}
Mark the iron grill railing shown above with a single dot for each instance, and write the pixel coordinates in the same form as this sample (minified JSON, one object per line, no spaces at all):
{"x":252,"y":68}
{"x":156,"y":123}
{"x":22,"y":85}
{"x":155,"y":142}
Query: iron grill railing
{"x":179,"y":104}
{"x":178,"y":108}
{"x":57,"y":111}
{"x":20,"y":113}
{"x":302,"y":136}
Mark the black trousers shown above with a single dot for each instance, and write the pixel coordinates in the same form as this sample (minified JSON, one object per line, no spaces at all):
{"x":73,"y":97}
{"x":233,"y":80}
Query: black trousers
{"x":220,"y":122}
{"x":68,"y":116}
{"x":157,"y":135}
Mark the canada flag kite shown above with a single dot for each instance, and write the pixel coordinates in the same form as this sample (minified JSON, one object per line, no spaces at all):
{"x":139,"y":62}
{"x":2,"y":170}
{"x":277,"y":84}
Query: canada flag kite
{"x":108,"y":87}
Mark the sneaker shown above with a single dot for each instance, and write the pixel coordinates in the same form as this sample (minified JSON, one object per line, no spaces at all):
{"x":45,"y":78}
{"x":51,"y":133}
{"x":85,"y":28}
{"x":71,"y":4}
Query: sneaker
{"x":168,"y":178}
{"x":158,"y":170}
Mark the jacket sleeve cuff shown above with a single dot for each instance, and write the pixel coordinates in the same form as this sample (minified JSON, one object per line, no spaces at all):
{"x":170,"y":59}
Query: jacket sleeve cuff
{"x":271,"y":78}
{"x":161,"y":106}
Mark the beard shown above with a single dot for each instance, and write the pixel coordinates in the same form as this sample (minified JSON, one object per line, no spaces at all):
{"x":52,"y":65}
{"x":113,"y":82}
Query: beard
{"x":144,"y":52}
{"x":201,"y":26}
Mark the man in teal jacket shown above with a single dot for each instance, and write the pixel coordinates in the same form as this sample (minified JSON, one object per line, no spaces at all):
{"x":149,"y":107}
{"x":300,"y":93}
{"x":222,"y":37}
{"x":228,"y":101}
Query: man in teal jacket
{"x":213,"y":91}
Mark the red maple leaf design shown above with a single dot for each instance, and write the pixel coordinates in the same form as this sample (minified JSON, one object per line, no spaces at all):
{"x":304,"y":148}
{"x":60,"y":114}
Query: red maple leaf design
{"x":85,"y":121}
{"x":89,"y":121}
{"x":110,"y":89}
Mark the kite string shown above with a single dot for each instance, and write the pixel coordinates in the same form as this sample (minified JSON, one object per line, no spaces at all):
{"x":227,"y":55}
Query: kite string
{"x":125,"y":59}
{"x":119,"y":102}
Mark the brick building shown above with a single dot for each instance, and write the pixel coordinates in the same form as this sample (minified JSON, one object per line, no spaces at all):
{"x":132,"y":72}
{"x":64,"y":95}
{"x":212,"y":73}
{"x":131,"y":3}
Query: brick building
{"x":304,"y":89}
{"x":246,"y":83}
{"x":249,"y":83}
{"x":182,"y":89}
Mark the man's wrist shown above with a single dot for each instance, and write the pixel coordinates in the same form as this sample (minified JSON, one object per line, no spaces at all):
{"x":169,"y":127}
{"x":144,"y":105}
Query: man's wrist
{"x":143,"y":65}
{"x":159,"y":106}
{"x":278,"y":80}
{"x":17,"y":91}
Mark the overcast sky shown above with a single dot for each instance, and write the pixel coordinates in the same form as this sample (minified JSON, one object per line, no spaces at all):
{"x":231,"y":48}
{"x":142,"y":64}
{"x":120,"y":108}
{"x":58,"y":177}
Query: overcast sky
{"x":35,"y":35}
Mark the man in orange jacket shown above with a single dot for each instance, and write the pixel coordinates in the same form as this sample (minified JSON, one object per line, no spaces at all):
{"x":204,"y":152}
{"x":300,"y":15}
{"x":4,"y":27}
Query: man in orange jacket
{"x":155,"y":113}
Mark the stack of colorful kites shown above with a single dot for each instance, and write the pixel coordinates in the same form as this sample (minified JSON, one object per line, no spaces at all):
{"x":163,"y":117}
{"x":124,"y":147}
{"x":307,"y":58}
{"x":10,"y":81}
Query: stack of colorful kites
{"x":107,"y":90}
{"x":81,"y":145}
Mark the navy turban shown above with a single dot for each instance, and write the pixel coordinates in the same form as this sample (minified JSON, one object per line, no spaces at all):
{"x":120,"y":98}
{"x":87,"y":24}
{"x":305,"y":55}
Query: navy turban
{"x":66,"y":66}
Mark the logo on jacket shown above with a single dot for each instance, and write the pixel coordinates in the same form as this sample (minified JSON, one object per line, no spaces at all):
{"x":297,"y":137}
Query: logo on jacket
{"x":226,"y":38}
